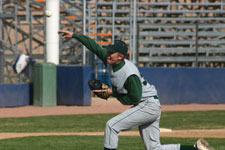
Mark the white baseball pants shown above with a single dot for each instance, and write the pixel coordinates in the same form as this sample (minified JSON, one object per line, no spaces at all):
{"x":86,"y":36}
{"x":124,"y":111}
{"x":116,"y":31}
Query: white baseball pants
{"x":145,"y":116}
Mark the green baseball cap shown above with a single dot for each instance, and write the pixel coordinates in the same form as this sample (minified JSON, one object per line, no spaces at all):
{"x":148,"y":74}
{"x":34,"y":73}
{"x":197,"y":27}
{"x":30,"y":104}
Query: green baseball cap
{"x":117,"y":46}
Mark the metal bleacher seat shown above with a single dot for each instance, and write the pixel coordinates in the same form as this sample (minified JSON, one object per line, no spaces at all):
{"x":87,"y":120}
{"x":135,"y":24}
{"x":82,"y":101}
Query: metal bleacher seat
{"x":168,"y":33}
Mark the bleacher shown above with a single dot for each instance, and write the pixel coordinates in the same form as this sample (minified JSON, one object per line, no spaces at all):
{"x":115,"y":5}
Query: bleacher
{"x":182,"y":33}
{"x":170,"y":33}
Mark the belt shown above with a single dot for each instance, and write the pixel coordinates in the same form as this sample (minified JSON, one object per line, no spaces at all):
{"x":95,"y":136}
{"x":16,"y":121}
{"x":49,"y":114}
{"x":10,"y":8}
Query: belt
{"x":155,"y":97}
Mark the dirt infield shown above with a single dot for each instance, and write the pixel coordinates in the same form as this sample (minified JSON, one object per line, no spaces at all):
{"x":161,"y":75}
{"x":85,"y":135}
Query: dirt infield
{"x":176,"y":133}
{"x":110,"y":106}
{"x":97,"y":106}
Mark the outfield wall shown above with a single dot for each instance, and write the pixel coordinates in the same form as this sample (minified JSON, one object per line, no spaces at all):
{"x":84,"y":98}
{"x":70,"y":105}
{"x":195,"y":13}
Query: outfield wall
{"x":12,"y":95}
{"x":187,"y":85}
{"x":174,"y":85}
{"x":72,"y":85}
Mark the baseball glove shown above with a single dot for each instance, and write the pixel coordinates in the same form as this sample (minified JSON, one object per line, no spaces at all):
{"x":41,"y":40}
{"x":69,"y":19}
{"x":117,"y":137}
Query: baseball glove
{"x":98,"y":85}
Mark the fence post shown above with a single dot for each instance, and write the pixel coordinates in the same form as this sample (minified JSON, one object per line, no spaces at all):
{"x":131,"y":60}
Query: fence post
{"x":84,"y":31}
{"x":134,"y":32}
{"x":1,"y":50}
{"x":196,"y":44}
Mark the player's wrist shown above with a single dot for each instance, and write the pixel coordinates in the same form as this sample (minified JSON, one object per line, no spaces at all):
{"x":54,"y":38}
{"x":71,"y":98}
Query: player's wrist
{"x":75,"y":35}
{"x":109,"y":91}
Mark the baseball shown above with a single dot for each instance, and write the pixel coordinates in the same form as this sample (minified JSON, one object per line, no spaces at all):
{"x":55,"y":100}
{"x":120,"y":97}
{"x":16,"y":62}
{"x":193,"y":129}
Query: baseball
{"x":48,"y":13}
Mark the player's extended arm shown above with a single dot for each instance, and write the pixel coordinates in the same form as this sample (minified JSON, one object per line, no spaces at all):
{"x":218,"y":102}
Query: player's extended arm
{"x":65,"y":34}
{"x":88,"y":42}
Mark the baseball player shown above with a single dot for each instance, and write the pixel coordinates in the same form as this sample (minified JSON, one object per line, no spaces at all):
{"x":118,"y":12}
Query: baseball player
{"x":130,"y":88}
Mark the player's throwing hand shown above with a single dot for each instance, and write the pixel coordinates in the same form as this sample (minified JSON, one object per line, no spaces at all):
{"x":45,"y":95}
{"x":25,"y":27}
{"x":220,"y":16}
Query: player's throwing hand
{"x":65,"y":34}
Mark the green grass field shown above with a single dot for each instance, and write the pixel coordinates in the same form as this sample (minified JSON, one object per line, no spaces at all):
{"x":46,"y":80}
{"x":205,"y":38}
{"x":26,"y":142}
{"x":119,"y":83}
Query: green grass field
{"x":90,"y":143}
{"x":96,"y":123}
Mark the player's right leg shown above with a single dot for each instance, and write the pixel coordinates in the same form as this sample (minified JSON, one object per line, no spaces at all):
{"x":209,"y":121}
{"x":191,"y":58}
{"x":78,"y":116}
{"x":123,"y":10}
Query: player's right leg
{"x":202,"y":144}
{"x":145,"y":112}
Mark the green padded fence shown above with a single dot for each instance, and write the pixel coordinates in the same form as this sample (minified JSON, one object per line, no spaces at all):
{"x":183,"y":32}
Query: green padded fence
{"x":44,"y":84}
